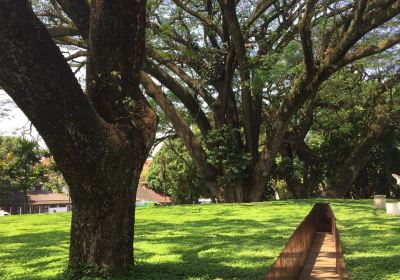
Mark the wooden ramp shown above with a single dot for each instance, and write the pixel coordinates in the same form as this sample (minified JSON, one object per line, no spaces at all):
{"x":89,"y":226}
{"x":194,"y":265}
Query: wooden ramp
{"x":313,"y":251}
{"x":321,"y":260}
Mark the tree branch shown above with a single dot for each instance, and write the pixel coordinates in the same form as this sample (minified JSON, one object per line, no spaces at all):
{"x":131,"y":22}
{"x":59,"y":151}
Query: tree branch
{"x":62,"y":31}
{"x":76,"y":55}
{"x":185,"y":97}
{"x":53,"y":102}
{"x":249,"y":122}
{"x":192,"y":83}
{"x":207,"y":21}
{"x":113,"y":87}
{"x":261,"y":7}
{"x":305,"y":35}
{"x":79,"y":12}
{"x":359,"y":26}
{"x":364,"y":51}
{"x":193,"y":146}
{"x":69,"y":41}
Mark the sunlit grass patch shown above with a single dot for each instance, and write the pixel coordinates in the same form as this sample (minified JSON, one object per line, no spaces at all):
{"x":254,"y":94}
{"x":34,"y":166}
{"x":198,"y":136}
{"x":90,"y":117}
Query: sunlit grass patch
{"x":204,"y":242}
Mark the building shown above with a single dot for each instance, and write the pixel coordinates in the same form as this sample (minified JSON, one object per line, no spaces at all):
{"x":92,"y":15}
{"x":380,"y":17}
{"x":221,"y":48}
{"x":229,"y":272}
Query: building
{"x":39,"y":201}
{"x":144,"y":194}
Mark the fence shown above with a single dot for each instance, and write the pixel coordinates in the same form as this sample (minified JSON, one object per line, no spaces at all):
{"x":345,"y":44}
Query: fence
{"x":290,"y":262}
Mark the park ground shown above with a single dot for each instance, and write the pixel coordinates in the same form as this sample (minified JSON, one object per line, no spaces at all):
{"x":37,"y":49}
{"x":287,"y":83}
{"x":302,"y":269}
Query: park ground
{"x":202,"y":242}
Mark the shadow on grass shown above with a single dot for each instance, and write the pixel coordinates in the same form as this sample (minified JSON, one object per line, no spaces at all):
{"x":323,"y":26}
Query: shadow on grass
{"x":27,"y":255}
{"x":222,"y":244}
{"x":208,"y":249}
{"x":374,"y":267}
{"x":370,"y":240}
{"x":200,"y":246}
{"x":238,"y":242}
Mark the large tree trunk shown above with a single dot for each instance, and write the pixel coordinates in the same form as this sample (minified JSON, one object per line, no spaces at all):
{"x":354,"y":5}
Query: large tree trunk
{"x":99,"y":140}
{"x":311,"y":170}
{"x":233,"y":192}
{"x":103,"y":222}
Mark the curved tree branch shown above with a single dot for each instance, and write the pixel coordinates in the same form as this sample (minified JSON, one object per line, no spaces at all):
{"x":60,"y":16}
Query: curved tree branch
{"x":29,"y":60}
{"x":182,"y":129}
{"x":184,"y":96}
{"x":79,"y":12}
{"x":305,"y":35}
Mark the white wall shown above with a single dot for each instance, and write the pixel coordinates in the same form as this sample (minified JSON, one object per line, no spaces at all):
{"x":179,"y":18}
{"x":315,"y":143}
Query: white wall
{"x":57,"y":209}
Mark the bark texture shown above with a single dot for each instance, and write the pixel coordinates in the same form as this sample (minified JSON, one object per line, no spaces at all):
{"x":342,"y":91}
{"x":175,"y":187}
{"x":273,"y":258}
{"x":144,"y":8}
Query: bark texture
{"x":101,"y":139}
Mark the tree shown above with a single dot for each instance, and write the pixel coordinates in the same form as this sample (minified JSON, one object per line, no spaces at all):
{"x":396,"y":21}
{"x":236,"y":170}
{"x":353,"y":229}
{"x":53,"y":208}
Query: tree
{"x":354,"y":112}
{"x":368,"y":117}
{"x":253,"y":67}
{"x":173,"y":172}
{"x":100,"y":136}
{"x":20,"y":165}
{"x":6,"y":190}
{"x":55,"y":181}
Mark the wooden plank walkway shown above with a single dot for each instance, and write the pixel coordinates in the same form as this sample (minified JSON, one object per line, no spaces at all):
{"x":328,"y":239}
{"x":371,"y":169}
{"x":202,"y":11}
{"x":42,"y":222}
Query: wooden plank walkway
{"x":321,"y":261}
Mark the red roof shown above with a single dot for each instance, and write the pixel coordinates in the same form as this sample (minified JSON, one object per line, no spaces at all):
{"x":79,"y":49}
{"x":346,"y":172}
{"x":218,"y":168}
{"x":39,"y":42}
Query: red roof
{"x":144,"y":194}
{"x":40,"y":197}
{"x":44,"y":197}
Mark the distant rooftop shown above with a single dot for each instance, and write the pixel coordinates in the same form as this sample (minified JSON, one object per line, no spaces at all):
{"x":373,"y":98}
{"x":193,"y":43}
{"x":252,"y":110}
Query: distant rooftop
{"x":145,"y":194}
{"x":41,"y":197}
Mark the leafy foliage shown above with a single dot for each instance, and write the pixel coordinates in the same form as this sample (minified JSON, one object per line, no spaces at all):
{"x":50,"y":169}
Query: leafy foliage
{"x":20,"y":163}
{"x":226,"y":153}
{"x":23,"y":165}
{"x":173,"y":172}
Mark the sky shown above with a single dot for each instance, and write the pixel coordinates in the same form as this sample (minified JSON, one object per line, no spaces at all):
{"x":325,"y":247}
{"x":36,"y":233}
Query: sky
{"x":16,"y":122}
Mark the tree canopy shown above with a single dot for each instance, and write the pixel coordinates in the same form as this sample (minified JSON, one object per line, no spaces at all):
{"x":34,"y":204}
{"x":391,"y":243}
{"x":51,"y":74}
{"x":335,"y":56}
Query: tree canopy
{"x":255,"y":68}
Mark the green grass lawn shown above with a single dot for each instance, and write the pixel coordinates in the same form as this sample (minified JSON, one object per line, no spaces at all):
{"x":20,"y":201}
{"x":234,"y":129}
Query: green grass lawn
{"x":207,"y":242}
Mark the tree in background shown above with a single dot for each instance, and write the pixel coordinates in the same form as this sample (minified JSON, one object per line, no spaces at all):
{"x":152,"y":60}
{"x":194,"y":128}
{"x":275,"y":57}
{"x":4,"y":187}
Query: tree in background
{"x":383,"y":159}
{"x":365,"y":122}
{"x":7,"y":191}
{"x":253,"y":68}
{"x":99,"y":134}
{"x":355,"y":115}
{"x":173,"y":172}
{"x":21,"y":166}
{"x":55,"y":181}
